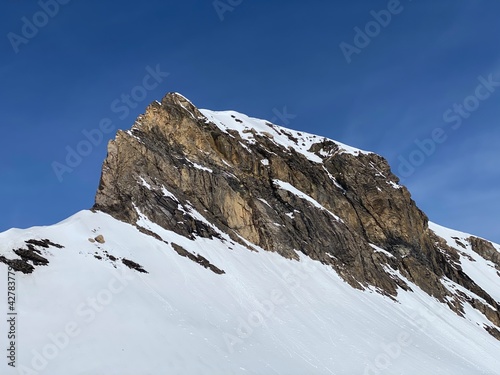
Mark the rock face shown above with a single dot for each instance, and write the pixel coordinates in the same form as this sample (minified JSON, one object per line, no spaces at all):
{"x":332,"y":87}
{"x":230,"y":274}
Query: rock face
{"x":199,"y":173}
{"x":486,"y":250}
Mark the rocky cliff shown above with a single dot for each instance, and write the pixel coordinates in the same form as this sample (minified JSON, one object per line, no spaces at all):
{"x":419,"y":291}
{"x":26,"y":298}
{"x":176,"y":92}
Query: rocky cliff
{"x":199,"y":173}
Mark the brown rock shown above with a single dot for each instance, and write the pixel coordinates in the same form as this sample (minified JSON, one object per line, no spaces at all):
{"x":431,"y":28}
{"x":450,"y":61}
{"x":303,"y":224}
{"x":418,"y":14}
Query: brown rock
{"x":485,"y":249}
{"x":100,"y":239}
{"x":149,"y":171}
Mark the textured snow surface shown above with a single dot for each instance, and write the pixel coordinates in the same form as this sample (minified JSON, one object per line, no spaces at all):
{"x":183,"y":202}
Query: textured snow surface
{"x":265,"y":315}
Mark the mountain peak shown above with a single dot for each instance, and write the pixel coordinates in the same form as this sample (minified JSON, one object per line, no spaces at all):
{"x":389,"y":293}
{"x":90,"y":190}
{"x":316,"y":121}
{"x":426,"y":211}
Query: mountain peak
{"x":202,"y":173}
{"x":214,"y":225}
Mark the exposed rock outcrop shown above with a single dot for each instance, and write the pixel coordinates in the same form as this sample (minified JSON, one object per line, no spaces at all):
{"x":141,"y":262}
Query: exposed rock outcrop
{"x":486,"y":250}
{"x":192,"y":174}
{"x":30,"y":257}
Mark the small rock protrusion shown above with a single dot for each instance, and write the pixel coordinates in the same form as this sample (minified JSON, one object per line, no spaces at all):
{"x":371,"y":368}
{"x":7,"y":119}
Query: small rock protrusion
{"x":100,"y":239}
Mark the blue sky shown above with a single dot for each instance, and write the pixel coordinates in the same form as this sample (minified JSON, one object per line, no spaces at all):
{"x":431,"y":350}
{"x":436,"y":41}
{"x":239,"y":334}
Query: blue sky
{"x":415,"y":73}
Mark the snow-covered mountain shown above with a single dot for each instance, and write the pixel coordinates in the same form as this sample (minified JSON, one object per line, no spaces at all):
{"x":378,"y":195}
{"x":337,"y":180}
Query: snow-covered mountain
{"x":223,"y":244}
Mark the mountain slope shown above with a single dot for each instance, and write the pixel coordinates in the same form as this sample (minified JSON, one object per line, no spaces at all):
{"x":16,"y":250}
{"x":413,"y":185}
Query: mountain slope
{"x":231,"y":245}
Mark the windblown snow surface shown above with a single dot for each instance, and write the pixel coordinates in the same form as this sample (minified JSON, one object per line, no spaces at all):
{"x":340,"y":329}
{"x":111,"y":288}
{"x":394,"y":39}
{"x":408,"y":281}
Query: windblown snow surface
{"x":265,"y":315}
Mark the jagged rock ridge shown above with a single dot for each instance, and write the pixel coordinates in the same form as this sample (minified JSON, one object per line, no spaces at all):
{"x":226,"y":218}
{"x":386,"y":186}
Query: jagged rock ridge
{"x":200,"y":173}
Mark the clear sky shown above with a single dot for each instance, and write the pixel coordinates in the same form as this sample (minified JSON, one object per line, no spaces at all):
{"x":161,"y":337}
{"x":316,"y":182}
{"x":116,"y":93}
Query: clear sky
{"x":415,"y":81}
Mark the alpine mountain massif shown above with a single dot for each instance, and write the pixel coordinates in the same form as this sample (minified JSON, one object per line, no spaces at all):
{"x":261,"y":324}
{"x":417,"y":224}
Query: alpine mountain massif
{"x":225,"y":244}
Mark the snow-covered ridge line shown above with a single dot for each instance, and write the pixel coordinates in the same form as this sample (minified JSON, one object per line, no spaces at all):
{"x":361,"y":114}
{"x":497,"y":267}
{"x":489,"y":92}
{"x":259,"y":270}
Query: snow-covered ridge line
{"x":301,"y":142}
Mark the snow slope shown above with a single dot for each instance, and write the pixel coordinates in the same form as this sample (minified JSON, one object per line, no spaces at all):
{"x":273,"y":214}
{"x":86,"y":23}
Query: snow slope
{"x":266,"y":315}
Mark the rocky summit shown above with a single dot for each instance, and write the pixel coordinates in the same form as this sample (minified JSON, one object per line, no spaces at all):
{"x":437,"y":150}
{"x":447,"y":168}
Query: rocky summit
{"x":224,"y":244}
{"x":285,"y":191}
